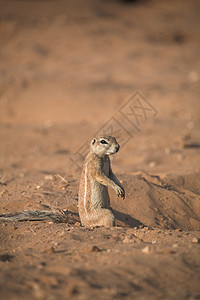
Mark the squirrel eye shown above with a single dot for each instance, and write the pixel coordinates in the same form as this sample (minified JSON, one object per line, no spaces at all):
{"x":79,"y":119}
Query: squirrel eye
{"x":103,"y":142}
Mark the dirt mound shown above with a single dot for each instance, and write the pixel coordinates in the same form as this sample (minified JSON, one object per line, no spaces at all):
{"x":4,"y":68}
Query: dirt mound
{"x":154,"y":202}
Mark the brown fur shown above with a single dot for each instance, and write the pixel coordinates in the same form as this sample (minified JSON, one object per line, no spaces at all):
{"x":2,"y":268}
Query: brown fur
{"x":97,"y":175}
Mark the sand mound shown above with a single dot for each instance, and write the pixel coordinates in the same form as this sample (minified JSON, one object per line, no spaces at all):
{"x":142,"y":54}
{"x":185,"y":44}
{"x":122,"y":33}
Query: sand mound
{"x":170,"y":203}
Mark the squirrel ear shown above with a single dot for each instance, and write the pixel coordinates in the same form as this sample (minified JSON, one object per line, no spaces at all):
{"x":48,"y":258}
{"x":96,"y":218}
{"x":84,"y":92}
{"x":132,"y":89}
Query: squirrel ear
{"x":93,"y":141}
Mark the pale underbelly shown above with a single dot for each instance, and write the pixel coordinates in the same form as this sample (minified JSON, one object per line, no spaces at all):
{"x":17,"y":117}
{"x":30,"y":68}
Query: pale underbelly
{"x":99,"y":196}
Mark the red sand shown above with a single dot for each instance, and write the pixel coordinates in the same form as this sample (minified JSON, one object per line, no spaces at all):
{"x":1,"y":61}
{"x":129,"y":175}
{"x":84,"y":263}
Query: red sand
{"x":67,"y":72}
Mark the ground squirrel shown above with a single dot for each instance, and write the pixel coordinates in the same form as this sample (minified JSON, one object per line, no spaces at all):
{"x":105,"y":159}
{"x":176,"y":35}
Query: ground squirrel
{"x":97,"y":175}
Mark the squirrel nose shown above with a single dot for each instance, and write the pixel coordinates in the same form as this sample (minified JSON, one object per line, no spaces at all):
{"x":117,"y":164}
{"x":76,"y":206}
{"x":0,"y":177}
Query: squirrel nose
{"x":117,"y":148}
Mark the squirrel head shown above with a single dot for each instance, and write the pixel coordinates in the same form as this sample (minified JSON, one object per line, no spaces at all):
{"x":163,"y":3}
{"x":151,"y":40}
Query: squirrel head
{"x":104,"y":145}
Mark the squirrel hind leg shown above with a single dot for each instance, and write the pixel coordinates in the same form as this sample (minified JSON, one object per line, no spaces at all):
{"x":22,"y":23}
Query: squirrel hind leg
{"x":100,"y":217}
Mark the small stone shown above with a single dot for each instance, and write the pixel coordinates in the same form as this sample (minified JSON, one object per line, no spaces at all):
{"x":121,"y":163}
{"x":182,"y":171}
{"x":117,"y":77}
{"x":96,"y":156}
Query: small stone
{"x":146,"y":250}
{"x":152,"y":164}
{"x":77,"y":224}
{"x":126,"y":240}
{"x":129,"y":239}
{"x":90,"y":228}
{"x":48,"y":177}
{"x":49,"y":250}
{"x":146,"y":228}
{"x":195,"y":240}
{"x":153,"y":242}
{"x":180,"y":157}
{"x":94,"y":249}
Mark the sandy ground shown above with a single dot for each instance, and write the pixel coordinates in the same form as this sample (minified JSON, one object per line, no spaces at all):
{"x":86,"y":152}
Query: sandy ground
{"x":69,"y":71}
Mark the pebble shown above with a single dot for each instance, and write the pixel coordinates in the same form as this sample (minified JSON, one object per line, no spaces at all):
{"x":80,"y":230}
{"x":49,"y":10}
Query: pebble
{"x":129,"y":239}
{"x":152,"y":164}
{"x":48,"y":177}
{"x":195,"y":240}
{"x":180,"y":157}
{"x":49,"y":250}
{"x":146,"y":228}
{"x":77,"y":224}
{"x":94,"y":249}
{"x":146,"y":250}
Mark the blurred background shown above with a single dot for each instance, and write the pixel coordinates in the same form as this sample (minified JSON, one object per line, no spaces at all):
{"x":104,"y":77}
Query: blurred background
{"x":70,"y":70}
{"x":66,"y":67}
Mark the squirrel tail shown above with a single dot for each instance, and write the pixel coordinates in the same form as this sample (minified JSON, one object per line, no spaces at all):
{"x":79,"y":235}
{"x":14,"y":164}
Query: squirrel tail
{"x":39,"y":215}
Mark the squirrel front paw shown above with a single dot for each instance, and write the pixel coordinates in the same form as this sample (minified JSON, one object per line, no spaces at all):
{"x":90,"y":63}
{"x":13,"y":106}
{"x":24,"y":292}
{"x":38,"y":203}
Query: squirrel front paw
{"x":120,"y":191}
